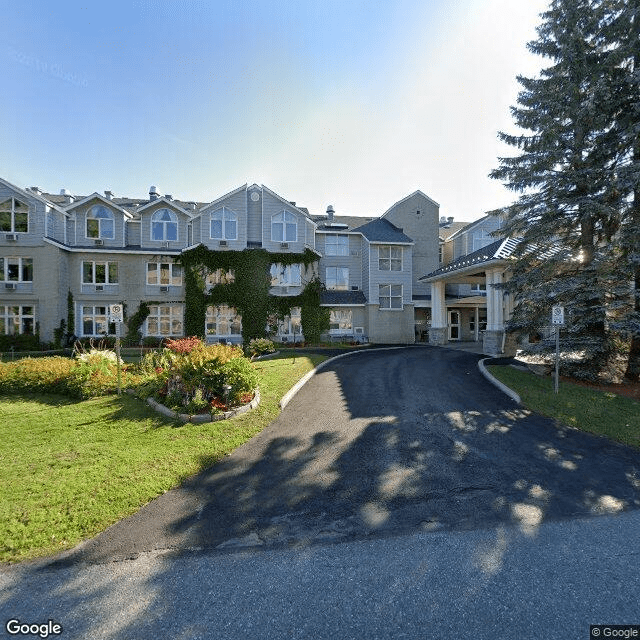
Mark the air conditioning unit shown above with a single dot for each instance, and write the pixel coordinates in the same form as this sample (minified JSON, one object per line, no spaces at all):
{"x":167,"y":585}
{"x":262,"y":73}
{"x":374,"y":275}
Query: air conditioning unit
{"x":98,"y":242}
{"x":164,"y":289}
{"x":284,"y":245}
{"x":13,"y":237}
{"x":165,"y":245}
{"x":359,"y":331}
{"x":354,"y":287}
{"x":355,"y":253}
{"x":99,"y":287}
{"x":223,"y":243}
{"x":10,"y":285}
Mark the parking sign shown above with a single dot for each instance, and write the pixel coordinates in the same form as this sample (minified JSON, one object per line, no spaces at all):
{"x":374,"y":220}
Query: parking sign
{"x":557,"y":315}
{"x":115,"y":313}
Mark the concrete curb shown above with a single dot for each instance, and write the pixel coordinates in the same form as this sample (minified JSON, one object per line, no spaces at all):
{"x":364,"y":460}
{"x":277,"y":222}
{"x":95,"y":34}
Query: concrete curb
{"x":494,"y":381}
{"x":286,"y":398}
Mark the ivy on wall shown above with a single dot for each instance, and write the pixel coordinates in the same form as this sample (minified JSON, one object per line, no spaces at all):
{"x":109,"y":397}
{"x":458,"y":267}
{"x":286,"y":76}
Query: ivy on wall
{"x":249,"y":293}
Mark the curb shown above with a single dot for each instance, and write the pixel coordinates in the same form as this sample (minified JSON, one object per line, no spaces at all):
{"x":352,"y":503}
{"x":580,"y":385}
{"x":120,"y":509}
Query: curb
{"x":286,"y":398}
{"x":494,"y":381}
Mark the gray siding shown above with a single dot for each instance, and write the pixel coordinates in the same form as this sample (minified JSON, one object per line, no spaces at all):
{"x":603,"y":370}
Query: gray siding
{"x":352,"y":261}
{"x":236,"y":202}
{"x":81,"y":239}
{"x":254,"y":216}
{"x":379,"y":277}
{"x":145,"y":228}
{"x":273,"y":206}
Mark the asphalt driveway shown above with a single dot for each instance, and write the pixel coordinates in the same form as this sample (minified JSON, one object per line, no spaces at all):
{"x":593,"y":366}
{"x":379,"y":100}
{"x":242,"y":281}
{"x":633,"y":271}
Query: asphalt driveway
{"x":383,"y":443}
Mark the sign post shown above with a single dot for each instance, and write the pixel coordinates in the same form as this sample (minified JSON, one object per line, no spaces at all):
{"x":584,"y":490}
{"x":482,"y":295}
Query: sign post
{"x":116,"y":315}
{"x":557,"y":320}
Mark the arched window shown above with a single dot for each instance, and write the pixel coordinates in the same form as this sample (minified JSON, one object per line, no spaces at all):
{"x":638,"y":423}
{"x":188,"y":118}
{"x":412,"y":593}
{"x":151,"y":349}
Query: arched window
{"x":224,"y":225}
{"x":164,"y":225}
{"x":100,"y":223}
{"x":284,"y":227}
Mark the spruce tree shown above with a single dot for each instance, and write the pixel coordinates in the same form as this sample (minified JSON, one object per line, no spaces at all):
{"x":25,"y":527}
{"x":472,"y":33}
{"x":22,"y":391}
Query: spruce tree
{"x":564,"y":215}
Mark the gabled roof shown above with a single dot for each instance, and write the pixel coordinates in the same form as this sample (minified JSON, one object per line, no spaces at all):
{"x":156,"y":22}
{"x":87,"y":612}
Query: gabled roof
{"x":498,"y":250}
{"x":335,"y":298}
{"x":418,"y":192}
{"x":96,"y":196}
{"x":450,"y":229}
{"x":163,"y":200}
{"x":469,"y":226}
{"x":350,"y":222}
{"x":30,"y":194}
{"x":382,"y":230}
{"x":302,"y":210}
{"x":215,"y":202}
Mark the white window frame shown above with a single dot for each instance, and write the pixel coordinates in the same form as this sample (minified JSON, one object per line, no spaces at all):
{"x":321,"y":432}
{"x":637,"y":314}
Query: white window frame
{"x":289,"y":275}
{"x":285,"y":220}
{"x":173,"y":280}
{"x":291,"y":320}
{"x":164,"y":223}
{"x":225,"y":216}
{"x":480,"y":239}
{"x":169,"y":315}
{"x":336,"y":244}
{"x":337,"y":278}
{"x":22,"y":264}
{"x":14,"y":316}
{"x":390,"y":292}
{"x":12,"y":213}
{"x":219,"y":276}
{"x":222,"y":314}
{"x":99,"y":314}
{"x":92,"y":214}
{"x":107,"y":264}
{"x":341,"y":317}
{"x":386,"y":259}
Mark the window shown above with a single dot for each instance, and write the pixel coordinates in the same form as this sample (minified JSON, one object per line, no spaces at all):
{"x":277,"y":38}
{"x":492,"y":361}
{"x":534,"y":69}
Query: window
{"x":100,"y":223}
{"x":219,"y":276}
{"x":291,"y":325}
{"x":224,"y":225}
{"x":164,"y":274}
{"x":337,"y":278}
{"x":99,"y":272}
{"x":284,"y":227}
{"x":285,"y":276}
{"x":16,"y":320}
{"x":164,"y":320}
{"x":16,"y":269}
{"x":390,"y":296}
{"x":95,"y":321}
{"x":481,"y":238}
{"x":223,"y":321}
{"x":440,"y":252}
{"x":340,"y":321}
{"x":164,"y":225}
{"x":390,"y":258}
{"x":336,"y":245}
{"x":14,"y":216}
{"x":479,"y":289}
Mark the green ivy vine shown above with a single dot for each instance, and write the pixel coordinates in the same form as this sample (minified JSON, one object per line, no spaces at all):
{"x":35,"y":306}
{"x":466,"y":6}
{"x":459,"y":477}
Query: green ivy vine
{"x":249,"y":293}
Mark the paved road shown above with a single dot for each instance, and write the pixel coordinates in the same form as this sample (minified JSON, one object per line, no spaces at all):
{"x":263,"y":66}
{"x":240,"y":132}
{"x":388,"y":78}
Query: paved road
{"x":398,"y":489}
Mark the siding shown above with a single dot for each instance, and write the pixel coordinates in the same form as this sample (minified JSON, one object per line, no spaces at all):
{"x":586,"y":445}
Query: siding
{"x":145,"y":228}
{"x":236,"y":202}
{"x":350,"y":261}
{"x":390,"y":277}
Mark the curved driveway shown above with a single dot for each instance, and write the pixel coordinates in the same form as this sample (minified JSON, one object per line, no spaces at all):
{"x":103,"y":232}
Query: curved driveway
{"x":380,"y":443}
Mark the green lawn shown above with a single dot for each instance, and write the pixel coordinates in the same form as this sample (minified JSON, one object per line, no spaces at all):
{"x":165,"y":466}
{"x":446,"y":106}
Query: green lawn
{"x":70,"y":469}
{"x":602,"y":413}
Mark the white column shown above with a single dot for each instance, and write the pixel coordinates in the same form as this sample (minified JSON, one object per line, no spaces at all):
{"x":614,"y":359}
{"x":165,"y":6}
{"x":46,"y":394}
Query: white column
{"x":438,"y":306}
{"x":495,"y":307}
{"x":476,"y":324}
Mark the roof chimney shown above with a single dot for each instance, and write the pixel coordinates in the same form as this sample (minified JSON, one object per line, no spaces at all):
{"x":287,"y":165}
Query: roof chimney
{"x":330,"y":213}
{"x":153,"y":193}
{"x":449,"y":219}
{"x":168,"y":196}
{"x":108,"y":195}
{"x":68,"y":198}
{"x":35,"y":190}
{"x":443,"y":219}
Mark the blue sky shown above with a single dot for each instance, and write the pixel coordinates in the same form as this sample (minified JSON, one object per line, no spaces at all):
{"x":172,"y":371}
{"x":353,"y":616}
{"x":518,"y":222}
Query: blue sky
{"x":349,"y":103}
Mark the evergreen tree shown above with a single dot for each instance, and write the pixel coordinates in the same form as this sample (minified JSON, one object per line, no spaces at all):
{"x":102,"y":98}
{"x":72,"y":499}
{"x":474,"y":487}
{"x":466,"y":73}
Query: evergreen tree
{"x":566,"y":215}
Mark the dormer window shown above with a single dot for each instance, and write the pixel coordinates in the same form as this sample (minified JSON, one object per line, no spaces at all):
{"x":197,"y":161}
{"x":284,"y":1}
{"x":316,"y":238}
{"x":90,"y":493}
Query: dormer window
{"x":100,"y":223}
{"x":284,"y":227}
{"x":164,"y":225}
{"x":14,"y":216}
{"x":224,"y":225}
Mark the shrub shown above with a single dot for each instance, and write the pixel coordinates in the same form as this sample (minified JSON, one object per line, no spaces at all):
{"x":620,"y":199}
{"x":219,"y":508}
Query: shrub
{"x":240,"y":374}
{"x":259,"y":347}
{"x":184,"y":345}
{"x":46,"y":375}
{"x":20,"y":342}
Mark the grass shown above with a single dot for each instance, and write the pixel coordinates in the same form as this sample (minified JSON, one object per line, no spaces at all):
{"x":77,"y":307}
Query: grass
{"x":600,"y":412}
{"x":70,"y":469}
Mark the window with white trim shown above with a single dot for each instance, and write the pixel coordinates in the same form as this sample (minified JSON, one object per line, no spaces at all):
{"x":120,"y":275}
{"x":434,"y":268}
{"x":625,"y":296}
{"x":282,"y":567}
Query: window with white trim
{"x":390,"y":296}
{"x":390,"y":258}
{"x":284,"y":227}
{"x":16,"y":269}
{"x":164,"y":225}
{"x":100,"y":223}
{"x":337,"y":278}
{"x":479,"y":289}
{"x":336,"y":245}
{"x":223,"y":320}
{"x":224,"y":225}
{"x":481,"y":239}
{"x":219,"y":276}
{"x":286,"y":275}
{"x":291,"y":324}
{"x":14,"y":216}
{"x":164,"y":274}
{"x":17,"y":319}
{"x":99,"y":272}
{"x":165,"y":320}
{"x":340,"y":321}
{"x":95,"y":321}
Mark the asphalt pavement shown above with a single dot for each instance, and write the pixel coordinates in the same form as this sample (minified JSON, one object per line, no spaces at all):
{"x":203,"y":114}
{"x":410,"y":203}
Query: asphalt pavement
{"x":399,"y":494}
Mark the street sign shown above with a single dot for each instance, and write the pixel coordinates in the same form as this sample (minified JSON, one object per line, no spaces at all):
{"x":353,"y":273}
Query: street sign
{"x":557,"y":315}
{"x":116,"y":313}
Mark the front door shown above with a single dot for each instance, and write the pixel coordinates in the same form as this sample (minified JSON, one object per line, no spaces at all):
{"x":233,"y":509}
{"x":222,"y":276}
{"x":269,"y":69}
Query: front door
{"x":454,"y":325}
